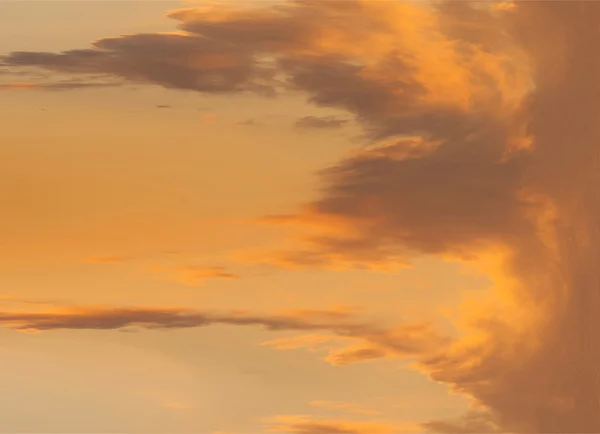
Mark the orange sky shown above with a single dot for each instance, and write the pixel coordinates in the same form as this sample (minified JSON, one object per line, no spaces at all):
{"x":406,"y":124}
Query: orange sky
{"x":298,"y":217}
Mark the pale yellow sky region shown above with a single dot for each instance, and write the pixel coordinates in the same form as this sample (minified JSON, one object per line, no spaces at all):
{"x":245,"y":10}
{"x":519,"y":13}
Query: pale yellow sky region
{"x":299,"y":216}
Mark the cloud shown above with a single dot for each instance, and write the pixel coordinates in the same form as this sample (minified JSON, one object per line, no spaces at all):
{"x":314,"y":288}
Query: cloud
{"x":101,"y":318}
{"x":56,"y":86}
{"x":351,"y":348}
{"x":357,"y":353}
{"x":483,"y":130}
{"x":411,"y":340}
{"x":349,"y":407}
{"x":328,"y":241}
{"x":418,"y":90}
{"x":343,"y":324}
{"x":474,"y":422}
{"x":403,"y":341}
{"x":192,"y":62}
{"x":320,"y":122}
{"x":342,"y":56}
{"x":310,"y":342}
{"x":307,"y":425}
{"x":194,"y":275}
{"x":387,"y":203}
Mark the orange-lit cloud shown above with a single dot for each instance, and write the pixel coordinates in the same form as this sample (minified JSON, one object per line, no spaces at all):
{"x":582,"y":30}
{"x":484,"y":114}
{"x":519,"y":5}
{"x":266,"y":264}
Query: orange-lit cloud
{"x":503,"y":103}
{"x":344,"y":325}
{"x":404,"y":341}
{"x":300,"y":424}
{"x":357,"y":353}
{"x":349,"y":407}
{"x":310,"y":342}
{"x":384,"y":205}
{"x":224,"y":49}
{"x":474,"y":422}
{"x":193,"y":275}
{"x":320,"y":122}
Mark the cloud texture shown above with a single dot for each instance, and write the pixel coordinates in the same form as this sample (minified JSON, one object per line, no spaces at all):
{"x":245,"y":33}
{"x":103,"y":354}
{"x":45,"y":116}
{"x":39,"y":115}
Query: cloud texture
{"x":484,"y":145}
{"x":307,"y":425}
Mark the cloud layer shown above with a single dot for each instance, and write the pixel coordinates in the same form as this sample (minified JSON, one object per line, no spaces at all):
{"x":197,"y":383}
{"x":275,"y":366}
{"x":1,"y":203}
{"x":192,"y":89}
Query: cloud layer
{"x":102,"y":318}
{"x":483,"y":129}
{"x":307,"y":425}
{"x":320,"y":122}
{"x":367,"y":338}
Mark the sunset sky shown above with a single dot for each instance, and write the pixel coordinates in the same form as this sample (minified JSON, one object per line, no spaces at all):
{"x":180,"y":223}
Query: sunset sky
{"x":299,"y":216}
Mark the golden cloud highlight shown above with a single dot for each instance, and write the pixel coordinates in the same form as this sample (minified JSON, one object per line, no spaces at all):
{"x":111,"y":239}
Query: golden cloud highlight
{"x":193,"y":275}
{"x":302,"y":424}
{"x":500,"y":104}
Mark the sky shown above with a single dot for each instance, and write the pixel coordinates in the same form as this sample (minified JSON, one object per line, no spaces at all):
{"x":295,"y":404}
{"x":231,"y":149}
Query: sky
{"x":299,"y":216}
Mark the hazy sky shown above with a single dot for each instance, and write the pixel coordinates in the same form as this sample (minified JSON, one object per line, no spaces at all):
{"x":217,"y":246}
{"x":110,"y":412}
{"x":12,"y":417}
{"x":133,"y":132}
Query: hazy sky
{"x":302,"y":217}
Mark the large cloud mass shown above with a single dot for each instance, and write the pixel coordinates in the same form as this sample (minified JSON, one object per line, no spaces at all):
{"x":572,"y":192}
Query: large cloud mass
{"x":485,"y":142}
